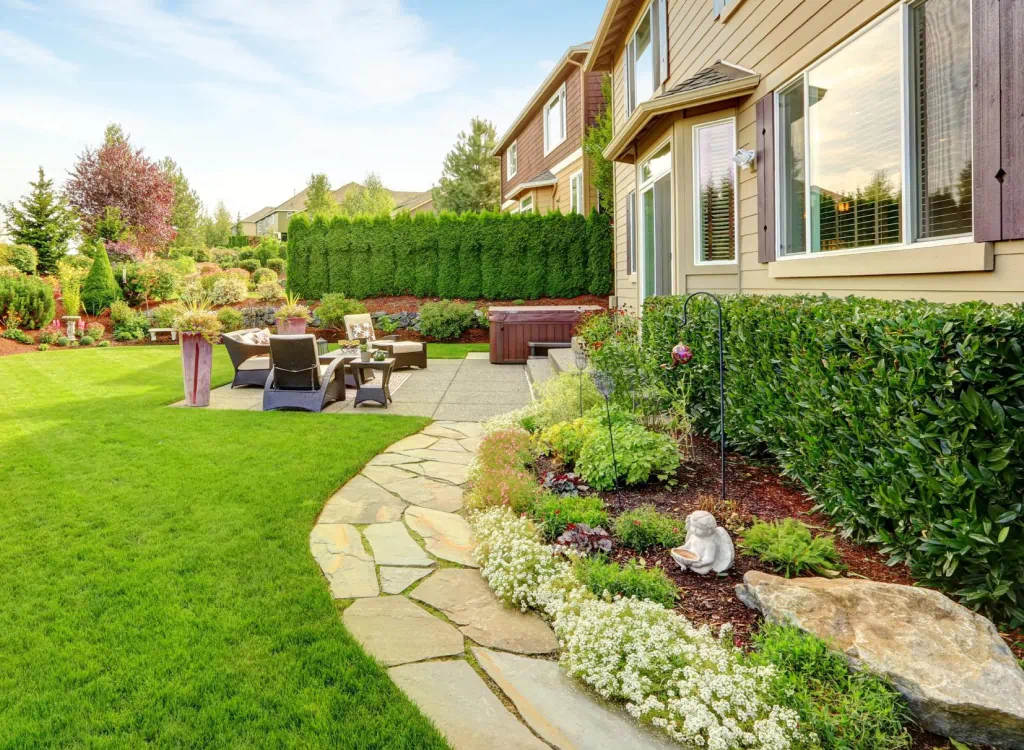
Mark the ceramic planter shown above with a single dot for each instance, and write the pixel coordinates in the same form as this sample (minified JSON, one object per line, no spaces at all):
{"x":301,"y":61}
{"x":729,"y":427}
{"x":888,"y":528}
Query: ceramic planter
{"x":365,"y":356}
{"x":291,"y":326}
{"x":196,"y":367}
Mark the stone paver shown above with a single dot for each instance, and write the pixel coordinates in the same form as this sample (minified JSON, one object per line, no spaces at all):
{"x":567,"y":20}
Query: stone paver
{"x":346,"y":564}
{"x":362,"y":501}
{"x":454,"y":697}
{"x":392,"y":545}
{"x":419,"y":440}
{"x":464,"y":597}
{"x":559,"y":711}
{"x":469,"y":429}
{"x":448,"y":457}
{"x":446,"y":535}
{"x":429,"y":493}
{"x":397,"y":580}
{"x":437,"y":430}
{"x":385,"y":476}
{"x":450,"y":445}
{"x":396,"y":631}
{"x":454,"y":473}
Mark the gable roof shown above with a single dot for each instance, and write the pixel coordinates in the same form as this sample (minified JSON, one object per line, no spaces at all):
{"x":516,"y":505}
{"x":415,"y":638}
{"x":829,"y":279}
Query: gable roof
{"x":610,"y":34}
{"x":253,"y":218}
{"x":298,"y":201}
{"x":573,"y":56}
{"x":415,"y":200}
{"x":544,"y":179}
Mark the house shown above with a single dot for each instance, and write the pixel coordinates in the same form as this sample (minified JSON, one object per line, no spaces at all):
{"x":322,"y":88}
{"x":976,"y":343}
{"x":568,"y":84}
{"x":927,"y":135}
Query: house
{"x":417,"y":204}
{"x":863,"y":147}
{"x":542,"y":164}
{"x":274,"y":219}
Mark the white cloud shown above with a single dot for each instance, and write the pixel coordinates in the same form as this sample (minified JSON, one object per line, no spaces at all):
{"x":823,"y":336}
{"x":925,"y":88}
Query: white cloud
{"x":26,"y":52}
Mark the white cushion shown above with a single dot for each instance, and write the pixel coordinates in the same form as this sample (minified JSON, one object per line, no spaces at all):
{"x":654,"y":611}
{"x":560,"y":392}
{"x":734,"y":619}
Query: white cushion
{"x":406,"y":347}
{"x":262,"y":337}
{"x":256,"y":363}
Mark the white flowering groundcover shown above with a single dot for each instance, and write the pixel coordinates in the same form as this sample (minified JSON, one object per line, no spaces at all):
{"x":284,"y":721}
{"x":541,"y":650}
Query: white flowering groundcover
{"x":685,"y":680}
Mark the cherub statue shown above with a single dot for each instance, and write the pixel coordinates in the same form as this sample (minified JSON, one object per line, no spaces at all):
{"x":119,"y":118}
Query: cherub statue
{"x":707,"y":547}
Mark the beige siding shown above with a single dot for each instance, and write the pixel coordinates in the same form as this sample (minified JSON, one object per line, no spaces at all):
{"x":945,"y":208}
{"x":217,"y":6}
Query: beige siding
{"x":562,"y":197}
{"x":778,"y":39}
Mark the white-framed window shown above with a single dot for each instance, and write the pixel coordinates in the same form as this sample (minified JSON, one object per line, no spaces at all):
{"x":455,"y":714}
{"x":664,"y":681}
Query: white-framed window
{"x":655,"y":225}
{"x":873,"y":142}
{"x":715,"y":197}
{"x":642,"y":69}
{"x":576,"y":192}
{"x":631,"y":233}
{"x":554,"y":121}
{"x":512,"y":161}
{"x":526,"y":205}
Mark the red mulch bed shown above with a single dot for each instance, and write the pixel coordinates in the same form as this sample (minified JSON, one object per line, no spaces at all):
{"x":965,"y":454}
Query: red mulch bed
{"x":408,"y":303}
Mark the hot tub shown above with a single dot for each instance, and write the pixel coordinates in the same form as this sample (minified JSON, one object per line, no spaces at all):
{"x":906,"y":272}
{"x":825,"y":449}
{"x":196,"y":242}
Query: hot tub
{"x":513,"y":329}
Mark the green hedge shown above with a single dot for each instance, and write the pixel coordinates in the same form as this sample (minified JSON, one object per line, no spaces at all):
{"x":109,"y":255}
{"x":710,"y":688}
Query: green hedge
{"x":29,"y":298}
{"x":905,"y":420}
{"x":496,"y":256}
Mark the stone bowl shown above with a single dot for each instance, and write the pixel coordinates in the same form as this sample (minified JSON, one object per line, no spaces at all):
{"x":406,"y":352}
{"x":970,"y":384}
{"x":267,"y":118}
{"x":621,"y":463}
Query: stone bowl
{"x":683,"y":557}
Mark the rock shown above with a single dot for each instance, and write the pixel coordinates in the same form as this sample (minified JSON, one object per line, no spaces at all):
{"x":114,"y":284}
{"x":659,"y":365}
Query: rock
{"x":453,"y":473}
{"x":449,"y":445}
{"x":419,"y":440}
{"x":338,"y":549}
{"x":429,"y":454}
{"x":396,"y":631}
{"x":446,"y":535}
{"x":958,"y":676}
{"x":429,"y":493}
{"x":392,"y":545}
{"x":561,"y":713}
{"x":437,"y":430}
{"x":386,"y":475}
{"x":397,"y":580}
{"x":362,"y":501}
{"x":459,"y":702}
{"x":465,"y":599}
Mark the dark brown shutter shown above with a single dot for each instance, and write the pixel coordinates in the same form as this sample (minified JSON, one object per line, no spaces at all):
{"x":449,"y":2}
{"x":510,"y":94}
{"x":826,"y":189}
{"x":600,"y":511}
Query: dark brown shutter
{"x":998,"y":103}
{"x":765,"y":148}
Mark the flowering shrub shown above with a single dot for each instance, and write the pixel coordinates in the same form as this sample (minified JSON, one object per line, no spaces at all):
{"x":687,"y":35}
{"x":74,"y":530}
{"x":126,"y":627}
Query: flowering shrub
{"x":508,"y":487}
{"x":506,"y":447}
{"x":228,"y":289}
{"x":608,"y":579}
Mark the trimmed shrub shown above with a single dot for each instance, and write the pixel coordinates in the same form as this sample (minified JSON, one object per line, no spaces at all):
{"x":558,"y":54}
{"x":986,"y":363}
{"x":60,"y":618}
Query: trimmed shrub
{"x":446,"y":319}
{"x":28,"y":298}
{"x":95,"y":330}
{"x":261,"y":275}
{"x":248,"y":253}
{"x":789,"y":547}
{"x":333,"y":309}
{"x":645,"y":528}
{"x":229,"y":289}
{"x":632,"y":579}
{"x":554,"y":513}
{"x":9,"y":272}
{"x":251,"y":265}
{"x":165,"y":315}
{"x":238,"y":240}
{"x":22,"y":257}
{"x":149,"y":280}
{"x":129,"y":325}
{"x":100,"y":289}
{"x":497,"y":256}
{"x":269,"y":247}
{"x":230,"y":319}
{"x":277,"y":265}
{"x":87,"y":341}
{"x":903,"y":419}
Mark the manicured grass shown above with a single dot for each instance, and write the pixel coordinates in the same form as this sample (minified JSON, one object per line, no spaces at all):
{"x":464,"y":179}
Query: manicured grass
{"x":454,"y":351}
{"x":156,"y":585}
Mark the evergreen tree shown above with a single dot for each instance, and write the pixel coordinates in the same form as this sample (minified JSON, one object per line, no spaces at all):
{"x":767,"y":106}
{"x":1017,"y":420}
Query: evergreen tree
{"x":217,"y":229}
{"x":42,"y":220}
{"x":187,"y":208}
{"x":99,"y":290}
{"x":598,"y":136}
{"x":371,"y":199}
{"x":319,"y":199}
{"x":471,"y":180}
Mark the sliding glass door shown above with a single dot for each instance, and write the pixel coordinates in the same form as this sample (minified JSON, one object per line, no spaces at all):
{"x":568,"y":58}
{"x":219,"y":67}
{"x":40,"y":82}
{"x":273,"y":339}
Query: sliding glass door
{"x":656,"y":223}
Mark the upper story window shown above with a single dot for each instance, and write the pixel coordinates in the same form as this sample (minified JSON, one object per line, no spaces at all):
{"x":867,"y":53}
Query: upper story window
{"x":642,"y":60}
{"x":576,"y":192}
{"x":554,"y":121}
{"x":715,"y":195}
{"x":512,"y":161}
{"x":874,"y":141}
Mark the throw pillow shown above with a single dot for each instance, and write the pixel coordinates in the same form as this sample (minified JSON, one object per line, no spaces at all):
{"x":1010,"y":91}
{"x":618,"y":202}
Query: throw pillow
{"x":363,"y":331}
{"x":262,"y":337}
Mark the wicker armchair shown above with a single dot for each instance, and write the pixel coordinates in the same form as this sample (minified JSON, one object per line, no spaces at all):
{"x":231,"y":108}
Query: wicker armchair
{"x":251,"y":361}
{"x":297,"y":381}
{"x":406,"y":353}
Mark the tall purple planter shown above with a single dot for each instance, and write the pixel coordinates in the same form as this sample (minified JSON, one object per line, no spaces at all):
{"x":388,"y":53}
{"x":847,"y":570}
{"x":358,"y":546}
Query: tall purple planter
{"x":291,"y":326}
{"x":197,"y":368}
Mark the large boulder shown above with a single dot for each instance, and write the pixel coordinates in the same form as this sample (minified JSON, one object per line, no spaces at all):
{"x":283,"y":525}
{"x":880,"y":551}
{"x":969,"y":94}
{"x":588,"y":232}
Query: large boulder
{"x":958,"y":676}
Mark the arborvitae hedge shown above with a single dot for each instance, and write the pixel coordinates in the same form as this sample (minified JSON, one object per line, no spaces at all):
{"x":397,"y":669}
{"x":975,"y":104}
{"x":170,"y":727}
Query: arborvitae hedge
{"x":905,"y":420}
{"x":495,"y":256}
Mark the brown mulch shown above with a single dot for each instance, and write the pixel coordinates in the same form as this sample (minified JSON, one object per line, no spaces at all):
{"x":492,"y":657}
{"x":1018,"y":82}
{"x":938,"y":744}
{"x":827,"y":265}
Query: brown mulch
{"x":408,"y":303}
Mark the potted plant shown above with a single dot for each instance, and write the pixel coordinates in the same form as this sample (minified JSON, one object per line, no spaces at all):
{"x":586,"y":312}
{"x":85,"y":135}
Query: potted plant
{"x":292,"y":316}
{"x":199,"y":330}
{"x":364,"y":352}
{"x":348,"y":348}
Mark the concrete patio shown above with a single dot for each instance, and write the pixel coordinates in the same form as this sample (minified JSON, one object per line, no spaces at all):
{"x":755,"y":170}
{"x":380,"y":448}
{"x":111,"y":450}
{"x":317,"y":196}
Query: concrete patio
{"x":468,"y":389}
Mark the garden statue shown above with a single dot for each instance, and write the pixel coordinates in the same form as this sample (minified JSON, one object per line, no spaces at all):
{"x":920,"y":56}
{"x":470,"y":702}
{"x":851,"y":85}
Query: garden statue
{"x":707,"y":547}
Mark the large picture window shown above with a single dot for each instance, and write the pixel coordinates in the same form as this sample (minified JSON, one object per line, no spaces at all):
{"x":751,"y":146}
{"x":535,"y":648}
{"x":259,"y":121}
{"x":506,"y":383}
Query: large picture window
{"x":554,"y":121}
{"x":853,"y":174}
{"x":642,"y":61}
{"x":715,"y":195}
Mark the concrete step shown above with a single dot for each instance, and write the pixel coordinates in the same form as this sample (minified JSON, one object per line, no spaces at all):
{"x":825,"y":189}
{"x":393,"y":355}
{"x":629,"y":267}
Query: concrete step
{"x":539,"y":369}
{"x":562,"y":360}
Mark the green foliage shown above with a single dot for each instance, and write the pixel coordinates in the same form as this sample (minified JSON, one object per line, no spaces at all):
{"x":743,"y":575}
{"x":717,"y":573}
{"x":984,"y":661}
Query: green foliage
{"x":789,"y":547}
{"x":28,"y":299}
{"x":16,"y":334}
{"x":261,"y":275}
{"x":902,"y":418}
{"x":22,"y":257}
{"x":63,"y":341}
{"x":499,"y":475}
{"x":238,"y":241}
{"x":497,"y":256}
{"x":554,"y":513}
{"x":43,"y":347}
{"x":43,"y":221}
{"x":100,"y":288}
{"x":250,"y":265}
{"x":217,"y":229}
{"x":564,"y":440}
{"x":230,"y":319}
{"x":847,"y":710}
{"x":632,"y":579}
{"x":645,"y":528}
{"x":319,"y":198}
{"x":165,"y":315}
{"x":47,"y":337}
{"x":558,"y":400}
{"x":228,"y":289}
{"x":639,"y":455}
{"x":471,"y":177}
{"x":269,"y":247}
{"x":446,"y":319}
{"x":129,"y":325}
{"x":87,"y":341}
{"x":148,"y":280}
{"x":95,"y":330}
{"x":597,"y":138}
{"x":109,"y":227}
{"x":333,"y":309}
{"x":371,"y":199}
{"x":186,"y":210}
{"x":277,"y":265}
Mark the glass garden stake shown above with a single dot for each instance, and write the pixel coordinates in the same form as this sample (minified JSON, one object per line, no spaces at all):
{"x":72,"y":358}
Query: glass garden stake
{"x":581,"y":365}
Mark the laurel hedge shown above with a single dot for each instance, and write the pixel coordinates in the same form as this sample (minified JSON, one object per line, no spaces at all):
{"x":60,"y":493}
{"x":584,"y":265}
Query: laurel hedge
{"x":905,"y":420}
{"x":469,"y":256}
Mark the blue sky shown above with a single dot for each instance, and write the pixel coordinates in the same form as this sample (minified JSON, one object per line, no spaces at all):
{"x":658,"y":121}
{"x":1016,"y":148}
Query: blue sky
{"x":251,"y":96}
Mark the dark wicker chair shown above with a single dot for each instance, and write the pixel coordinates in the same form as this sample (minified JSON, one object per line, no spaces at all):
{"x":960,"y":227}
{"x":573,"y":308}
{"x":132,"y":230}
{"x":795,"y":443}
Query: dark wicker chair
{"x":297,"y":381}
{"x":405,"y":353}
{"x":251,"y":361}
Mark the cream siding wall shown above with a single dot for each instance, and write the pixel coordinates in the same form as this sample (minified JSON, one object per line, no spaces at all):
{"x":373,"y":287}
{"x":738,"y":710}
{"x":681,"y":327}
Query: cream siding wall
{"x":563,"y":192}
{"x":778,"y":39}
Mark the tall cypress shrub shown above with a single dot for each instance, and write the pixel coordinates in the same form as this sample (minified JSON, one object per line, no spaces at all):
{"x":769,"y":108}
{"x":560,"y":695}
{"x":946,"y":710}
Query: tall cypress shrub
{"x":318,"y":278}
{"x":402,"y":238}
{"x":100,"y":289}
{"x":469,"y":256}
{"x":493,"y":226}
{"x":338,"y":255}
{"x":381,"y":238}
{"x":448,"y":255}
{"x":557,"y":270}
{"x":426,"y":255}
{"x":575,"y":255}
{"x":361,"y":270}
{"x":537,"y":241}
{"x":298,"y":254}
{"x":600,"y":250}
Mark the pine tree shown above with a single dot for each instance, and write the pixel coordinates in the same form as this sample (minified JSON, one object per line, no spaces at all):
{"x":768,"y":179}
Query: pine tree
{"x":43,"y":220}
{"x":319,"y":199}
{"x":218,"y":228}
{"x":471,"y":180}
{"x":187,"y":209}
{"x":99,"y":290}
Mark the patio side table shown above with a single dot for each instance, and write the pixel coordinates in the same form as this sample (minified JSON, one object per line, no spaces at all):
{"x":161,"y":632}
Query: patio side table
{"x":379,"y":393}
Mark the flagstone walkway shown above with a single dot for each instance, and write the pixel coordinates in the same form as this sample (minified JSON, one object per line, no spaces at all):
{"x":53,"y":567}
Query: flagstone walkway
{"x":394,"y":540}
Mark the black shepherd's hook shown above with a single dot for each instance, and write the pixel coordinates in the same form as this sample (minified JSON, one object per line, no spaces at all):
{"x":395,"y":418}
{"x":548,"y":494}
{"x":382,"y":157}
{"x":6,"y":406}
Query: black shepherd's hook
{"x":721,"y":371}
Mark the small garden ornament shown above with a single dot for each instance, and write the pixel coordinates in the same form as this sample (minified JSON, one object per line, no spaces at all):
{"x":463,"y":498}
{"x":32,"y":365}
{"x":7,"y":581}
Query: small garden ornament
{"x":707,"y":547}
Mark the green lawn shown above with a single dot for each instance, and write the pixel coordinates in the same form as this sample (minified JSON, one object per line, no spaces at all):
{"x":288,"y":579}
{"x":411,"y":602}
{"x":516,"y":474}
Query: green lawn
{"x":156,"y":586}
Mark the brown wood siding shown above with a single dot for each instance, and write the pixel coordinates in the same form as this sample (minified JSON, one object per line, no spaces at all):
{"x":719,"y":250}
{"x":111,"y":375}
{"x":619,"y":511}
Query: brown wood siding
{"x":595,"y":98}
